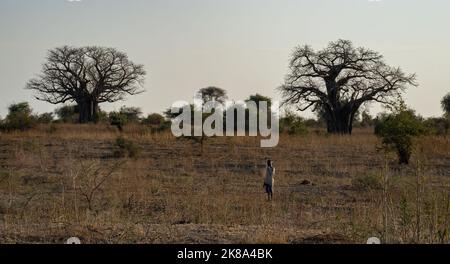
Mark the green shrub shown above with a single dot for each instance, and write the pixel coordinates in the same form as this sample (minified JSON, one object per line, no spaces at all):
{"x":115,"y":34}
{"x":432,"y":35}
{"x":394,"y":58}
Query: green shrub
{"x":101,"y":117}
{"x":126,"y":148}
{"x":131,"y":114}
{"x":293,"y":125}
{"x":367,"y":182}
{"x":117,"y":119}
{"x":154,"y":119}
{"x":19,"y":118}
{"x":165,"y":126}
{"x":398,"y":130}
{"x":45,"y":118}
{"x":67,"y":113}
{"x":445,"y":103}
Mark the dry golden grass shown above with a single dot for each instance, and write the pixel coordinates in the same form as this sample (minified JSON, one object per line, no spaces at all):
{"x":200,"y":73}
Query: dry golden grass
{"x":66,"y":181}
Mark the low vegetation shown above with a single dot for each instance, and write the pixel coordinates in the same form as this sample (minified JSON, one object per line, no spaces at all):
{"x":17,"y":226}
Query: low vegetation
{"x":68,"y":184}
{"x":126,"y":148}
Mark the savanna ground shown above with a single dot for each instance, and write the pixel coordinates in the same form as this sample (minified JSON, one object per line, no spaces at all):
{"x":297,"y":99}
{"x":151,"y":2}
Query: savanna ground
{"x":60,"y":181}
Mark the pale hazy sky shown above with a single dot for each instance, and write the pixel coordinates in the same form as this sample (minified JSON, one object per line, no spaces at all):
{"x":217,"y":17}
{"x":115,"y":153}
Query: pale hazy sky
{"x":242,"y":46}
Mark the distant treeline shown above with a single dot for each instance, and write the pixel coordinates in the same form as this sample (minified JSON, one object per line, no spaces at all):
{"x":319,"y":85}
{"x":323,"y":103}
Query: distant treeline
{"x":21,"y":117}
{"x":397,"y":129}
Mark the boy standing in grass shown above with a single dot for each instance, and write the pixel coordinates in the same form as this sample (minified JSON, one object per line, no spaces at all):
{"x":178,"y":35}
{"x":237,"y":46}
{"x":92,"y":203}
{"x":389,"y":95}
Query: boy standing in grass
{"x":268,"y":181}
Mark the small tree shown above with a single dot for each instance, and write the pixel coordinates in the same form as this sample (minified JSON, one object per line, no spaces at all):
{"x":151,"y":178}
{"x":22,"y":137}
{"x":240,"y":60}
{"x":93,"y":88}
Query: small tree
{"x":257,"y":99}
{"x":213,"y":94}
{"x":20,"y":117}
{"x":194,"y":111}
{"x":131,"y":114}
{"x":154,"y":119}
{"x":398,"y":130}
{"x":445,"y":103}
{"x":118,"y":120}
{"x":157,"y":122}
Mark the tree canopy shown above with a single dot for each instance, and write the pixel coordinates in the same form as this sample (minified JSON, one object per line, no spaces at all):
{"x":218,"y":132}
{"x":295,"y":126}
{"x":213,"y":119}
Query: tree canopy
{"x":87,"y":76}
{"x":212,"y":93}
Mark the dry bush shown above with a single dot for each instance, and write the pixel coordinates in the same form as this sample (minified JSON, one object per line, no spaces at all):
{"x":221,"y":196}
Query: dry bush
{"x":53,"y":186}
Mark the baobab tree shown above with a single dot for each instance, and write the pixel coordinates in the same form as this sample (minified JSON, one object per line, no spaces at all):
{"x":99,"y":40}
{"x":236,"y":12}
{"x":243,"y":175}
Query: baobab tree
{"x":339,"y":79}
{"x":87,"y":76}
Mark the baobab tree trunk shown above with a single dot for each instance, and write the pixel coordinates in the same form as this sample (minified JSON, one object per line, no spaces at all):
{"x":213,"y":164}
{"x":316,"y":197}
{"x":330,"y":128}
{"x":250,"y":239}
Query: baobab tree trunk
{"x":83,"y":112}
{"x":340,"y":122}
{"x":88,"y":110}
{"x":95,"y":111}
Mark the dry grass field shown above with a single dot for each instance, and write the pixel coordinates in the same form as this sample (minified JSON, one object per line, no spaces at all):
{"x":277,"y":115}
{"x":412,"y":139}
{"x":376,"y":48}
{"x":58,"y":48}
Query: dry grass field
{"x":68,"y":180}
